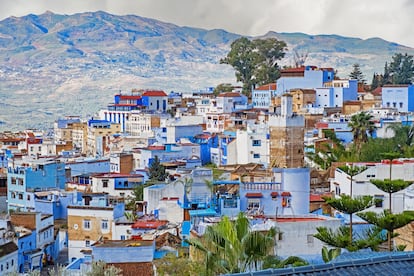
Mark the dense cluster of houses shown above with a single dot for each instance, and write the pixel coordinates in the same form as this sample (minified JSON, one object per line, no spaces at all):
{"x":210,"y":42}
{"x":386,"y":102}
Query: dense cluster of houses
{"x":67,"y":190}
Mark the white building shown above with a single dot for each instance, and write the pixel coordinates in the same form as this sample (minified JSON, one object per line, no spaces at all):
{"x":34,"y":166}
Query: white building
{"x":361,"y":185}
{"x":252,"y":145}
{"x":262,"y":96}
{"x":336,"y":92}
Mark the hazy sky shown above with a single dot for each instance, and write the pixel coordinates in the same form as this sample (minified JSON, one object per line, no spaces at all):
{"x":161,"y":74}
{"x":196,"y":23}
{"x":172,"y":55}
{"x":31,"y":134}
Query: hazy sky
{"x":387,"y":19}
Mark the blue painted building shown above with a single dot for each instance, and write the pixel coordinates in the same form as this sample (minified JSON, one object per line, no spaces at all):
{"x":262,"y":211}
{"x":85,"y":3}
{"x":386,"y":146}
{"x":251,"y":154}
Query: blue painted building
{"x":206,"y":142}
{"x":54,"y":203}
{"x":30,"y":176}
{"x":309,"y":77}
{"x":85,"y":166}
{"x":400,"y":97}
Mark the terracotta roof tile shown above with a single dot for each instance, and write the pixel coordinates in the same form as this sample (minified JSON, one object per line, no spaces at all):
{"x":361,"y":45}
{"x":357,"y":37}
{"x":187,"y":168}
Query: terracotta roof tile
{"x":154,"y":93}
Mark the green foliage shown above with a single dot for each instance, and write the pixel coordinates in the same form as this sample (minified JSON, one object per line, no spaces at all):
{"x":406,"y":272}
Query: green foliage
{"x":329,"y":153}
{"x":388,"y":221}
{"x":361,"y":125}
{"x":401,"y":69}
{"x":391,"y":186}
{"x":223,"y":87}
{"x":231,"y":247}
{"x":100,"y":268}
{"x":137,"y":195}
{"x":277,"y":262}
{"x":350,"y":205}
{"x":352,"y":170}
{"x":357,"y":74}
{"x":157,"y":171}
{"x":371,"y":238}
{"x":330,"y":254}
{"x":170,"y":264}
{"x":403,"y":134}
{"x":255,"y":61}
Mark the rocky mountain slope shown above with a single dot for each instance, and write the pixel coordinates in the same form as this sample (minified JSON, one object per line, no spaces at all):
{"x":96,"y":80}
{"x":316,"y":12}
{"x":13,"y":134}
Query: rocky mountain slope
{"x":54,"y":65}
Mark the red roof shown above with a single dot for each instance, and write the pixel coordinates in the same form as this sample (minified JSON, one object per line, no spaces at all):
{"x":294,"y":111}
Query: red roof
{"x":377,"y":91}
{"x":286,"y":194}
{"x":229,"y":94}
{"x":274,"y":194}
{"x":154,"y":93}
{"x":156,"y":147}
{"x":148,"y":224}
{"x":292,"y":70}
{"x":270,"y":86}
{"x":318,"y":197}
{"x":321,"y":125}
{"x":129,"y":97}
{"x":254,"y":195}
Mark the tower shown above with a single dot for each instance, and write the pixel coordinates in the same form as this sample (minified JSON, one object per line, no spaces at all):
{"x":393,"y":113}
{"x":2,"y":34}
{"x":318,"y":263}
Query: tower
{"x":286,"y":136}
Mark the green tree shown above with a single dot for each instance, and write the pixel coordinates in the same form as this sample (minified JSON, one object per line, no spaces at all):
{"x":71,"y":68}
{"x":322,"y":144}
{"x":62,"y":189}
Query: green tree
{"x":357,"y":74}
{"x":350,"y":205}
{"x":376,"y":81}
{"x":331,"y":151}
{"x":371,"y":238}
{"x":157,"y":171}
{"x":390,"y":186}
{"x":231,"y":247}
{"x":223,"y":87}
{"x":388,"y":221}
{"x":100,"y":268}
{"x":361,"y":125}
{"x":401,"y":69}
{"x":403,"y":137}
{"x":255,"y":61}
{"x":170,"y":264}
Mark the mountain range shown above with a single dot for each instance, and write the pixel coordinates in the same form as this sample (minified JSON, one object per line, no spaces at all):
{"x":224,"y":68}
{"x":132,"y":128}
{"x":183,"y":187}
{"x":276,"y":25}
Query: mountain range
{"x":54,"y":65}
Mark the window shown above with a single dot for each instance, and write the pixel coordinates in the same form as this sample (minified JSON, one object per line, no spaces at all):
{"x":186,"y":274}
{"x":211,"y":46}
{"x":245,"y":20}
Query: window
{"x":87,"y":224}
{"x":256,"y":143}
{"x":401,"y":105}
{"x":13,"y":195}
{"x":13,"y":181}
{"x":125,"y":183}
{"x":28,"y":197}
{"x":253,"y":204}
{"x":104,"y":224}
{"x":20,"y":196}
{"x":105,"y":183}
{"x":256,"y":155}
{"x":379,"y":200}
{"x":87,"y":243}
{"x":122,"y":237}
{"x":310,"y":238}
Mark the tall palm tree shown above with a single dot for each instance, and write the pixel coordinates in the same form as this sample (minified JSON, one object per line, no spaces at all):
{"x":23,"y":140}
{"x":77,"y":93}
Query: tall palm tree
{"x":361,"y":125}
{"x":231,"y":247}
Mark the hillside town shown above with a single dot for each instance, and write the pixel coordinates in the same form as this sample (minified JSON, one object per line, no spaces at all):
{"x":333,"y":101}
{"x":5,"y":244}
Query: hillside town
{"x":152,"y":172}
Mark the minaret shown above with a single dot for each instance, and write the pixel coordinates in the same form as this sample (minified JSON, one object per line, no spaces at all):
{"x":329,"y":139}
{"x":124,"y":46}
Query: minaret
{"x":286,"y":136}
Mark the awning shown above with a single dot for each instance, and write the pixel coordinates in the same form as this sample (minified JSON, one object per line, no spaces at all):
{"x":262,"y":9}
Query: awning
{"x":286,"y":194}
{"x":254,"y":195}
{"x":274,"y":194}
